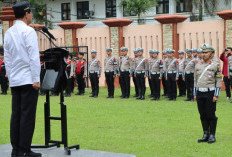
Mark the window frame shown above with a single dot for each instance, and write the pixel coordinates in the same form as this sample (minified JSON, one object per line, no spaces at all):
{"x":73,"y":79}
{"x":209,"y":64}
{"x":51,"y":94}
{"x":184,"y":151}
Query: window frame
{"x":82,"y":17}
{"x":184,"y":7}
{"x":111,"y":7}
{"x":163,"y":2}
{"x":67,"y":11}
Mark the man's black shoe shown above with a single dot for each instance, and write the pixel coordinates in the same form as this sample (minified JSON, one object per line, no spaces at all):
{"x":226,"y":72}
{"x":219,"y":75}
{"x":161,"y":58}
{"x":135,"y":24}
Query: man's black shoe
{"x":91,"y":96}
{"x":95,"y":96}
{"x":204,"y":138}
{"x":138,"y":98}
{"x":29,"y":154}
{"x":142,"y":98}
{"x":211,"y":139}
{"x":126,"y":97}
{"x":14,"y":153}
{"x":187,"y":99}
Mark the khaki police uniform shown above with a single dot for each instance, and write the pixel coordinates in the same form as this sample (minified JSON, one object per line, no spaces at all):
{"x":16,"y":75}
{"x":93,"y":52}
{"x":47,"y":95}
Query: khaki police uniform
{"x":181,"y":82}
{"x":164,"y":81}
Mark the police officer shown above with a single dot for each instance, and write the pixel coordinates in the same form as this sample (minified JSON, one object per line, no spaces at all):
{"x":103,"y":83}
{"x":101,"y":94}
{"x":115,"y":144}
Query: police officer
{"x":207,"y":94}
{"x":94,"y":73}
{"x":194,"y":53}
{"x":3,"y":76}
{"x":141,"y":71}
{"x":133,"y":73}
{"x":124,"y":72}
{"x":111,"y":67}
{"x":69,"y":68}
{"x":199,"y":55}
{"x":172,"y":74}
{"x":180,"y":82}
{"x":155,"y":73}
{"x":150,"y":61}
{"x":79,"y":73}
{"x":188,"y":76}
{"x":164,"y":82}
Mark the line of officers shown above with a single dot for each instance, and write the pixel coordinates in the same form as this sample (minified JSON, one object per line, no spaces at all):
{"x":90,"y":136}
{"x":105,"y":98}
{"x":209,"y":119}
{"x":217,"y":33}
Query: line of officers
{"x":169,"y":70}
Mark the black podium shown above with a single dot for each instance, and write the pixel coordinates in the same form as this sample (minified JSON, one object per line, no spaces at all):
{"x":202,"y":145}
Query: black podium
{"x":55,"y":79}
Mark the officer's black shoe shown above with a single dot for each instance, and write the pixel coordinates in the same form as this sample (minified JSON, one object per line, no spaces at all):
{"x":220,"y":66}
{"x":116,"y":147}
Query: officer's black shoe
{"x":122,"y":96}
{"x":153,"y":99}
{"x":135,"y":96}
{"x":157,"y":98}
{"x":126,"y":97}
{"x":142,"y":98}
{"x":29,"y":154}
{"x":95,"y":96}
{"x":211,"y":139}
{"x":173,"y":99}
{"x":187,"y":99}
{"x":67,"y":95}
{"x":170,"y":99}
{"x":81,"y":94}
{"x":91,"y":95}
{"x":204,"y":138}
{"x":139,"y":97}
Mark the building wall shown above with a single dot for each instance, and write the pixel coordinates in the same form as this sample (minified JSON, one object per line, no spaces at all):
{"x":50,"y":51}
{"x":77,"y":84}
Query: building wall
{"x":1,"y":35}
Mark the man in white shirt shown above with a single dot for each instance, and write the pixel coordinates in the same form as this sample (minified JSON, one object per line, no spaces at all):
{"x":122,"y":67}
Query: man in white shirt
{"x":23,"y":70}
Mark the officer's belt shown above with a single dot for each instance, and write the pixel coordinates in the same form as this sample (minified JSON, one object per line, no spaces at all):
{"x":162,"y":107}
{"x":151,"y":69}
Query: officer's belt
{"x":92,"y":72}
{"x":180,"y":73}
{"x":124,"y":70}
{"x":107,"y":71}
{"x":205,"y":89}
{"x":153,"y":73}
{"x":140,"y":72}
{"x":189,"y":72}
{"x":171,"y":72}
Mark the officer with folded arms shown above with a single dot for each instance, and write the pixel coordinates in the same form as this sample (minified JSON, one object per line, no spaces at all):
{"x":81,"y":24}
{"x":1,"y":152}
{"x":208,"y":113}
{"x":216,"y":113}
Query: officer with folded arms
{"x":207,"y":85}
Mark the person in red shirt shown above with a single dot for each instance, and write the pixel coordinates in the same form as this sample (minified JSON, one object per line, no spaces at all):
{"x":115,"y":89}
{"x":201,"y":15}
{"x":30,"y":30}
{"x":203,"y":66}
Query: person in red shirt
{"x":79,"y":73}
{"x":224,"y":57}
{"x":3,"y":76}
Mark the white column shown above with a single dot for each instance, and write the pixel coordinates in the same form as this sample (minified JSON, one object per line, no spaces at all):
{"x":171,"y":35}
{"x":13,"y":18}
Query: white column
{"x":119,"y":9}
{"x":172,"y":6}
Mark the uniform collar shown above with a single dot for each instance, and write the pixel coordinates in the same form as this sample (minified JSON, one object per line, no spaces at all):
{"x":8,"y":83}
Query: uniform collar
{"x":20,"y":22}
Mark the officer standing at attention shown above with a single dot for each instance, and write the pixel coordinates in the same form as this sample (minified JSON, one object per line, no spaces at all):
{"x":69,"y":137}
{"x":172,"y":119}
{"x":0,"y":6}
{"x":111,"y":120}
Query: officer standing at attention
{"x":124,"y":72}
{"x":150,"y":61}
{"x":172,"y":74}
{"x":79,"y":73}
{"x":111,"y":67}
{"x":207,"y":94}
{"x":155,"y":74}
{"x":3,"y":76}
{"x":21,"y":54}
{"x":94,"y":73}
{"x":133,"y":73}
{"x":189,"y":63}
{"x":194,"y":51}
{"x":180,"y":82}
{"x":141,"y":71}
{"x":164,"y":82}
{"x":199,"y":55}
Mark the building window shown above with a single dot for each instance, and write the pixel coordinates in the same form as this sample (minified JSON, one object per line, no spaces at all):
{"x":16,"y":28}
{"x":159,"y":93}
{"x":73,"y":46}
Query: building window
{"x":163,"y":7}
{"x":110,"y":8}
{"x":83,"y":10}
{"x":184,"y":6}
{"x":65,"y":11}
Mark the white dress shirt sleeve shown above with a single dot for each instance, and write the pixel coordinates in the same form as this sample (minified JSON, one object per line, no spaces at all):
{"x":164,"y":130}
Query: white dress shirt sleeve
{"x":7,"y":57}
{"x":33,"y":53}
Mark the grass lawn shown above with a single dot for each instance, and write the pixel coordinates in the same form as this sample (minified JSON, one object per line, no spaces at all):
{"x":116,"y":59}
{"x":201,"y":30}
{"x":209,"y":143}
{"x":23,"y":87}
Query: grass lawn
{"x":143,"y":128}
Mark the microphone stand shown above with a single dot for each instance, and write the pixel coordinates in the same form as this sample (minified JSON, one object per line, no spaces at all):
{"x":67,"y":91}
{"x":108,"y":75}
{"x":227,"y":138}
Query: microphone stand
{"x":47,"y":117}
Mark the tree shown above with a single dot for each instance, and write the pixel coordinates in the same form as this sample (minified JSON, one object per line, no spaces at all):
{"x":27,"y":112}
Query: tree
{"x":40,"y":14}
{"x":138,"y":7}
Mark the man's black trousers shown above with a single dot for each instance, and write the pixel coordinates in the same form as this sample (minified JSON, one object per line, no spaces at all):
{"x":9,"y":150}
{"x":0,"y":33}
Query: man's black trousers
{"x":81,"y":83}
{"x":227,"y":85}
{"x":135,"y":85}
{"x":155,"y":83}
{"x":172,"y":90}
{"x":110,"y":82}
{"x":24,"y":103}
{"x":164,"y":83}
{"x":181,"y":86}
{"x":189,"y":81}
{"x":124,"y":80}
{"x":141,"y":83}
{"x":4,"y":83}
{"x":94,"y":83}
{"x":206,"y":106}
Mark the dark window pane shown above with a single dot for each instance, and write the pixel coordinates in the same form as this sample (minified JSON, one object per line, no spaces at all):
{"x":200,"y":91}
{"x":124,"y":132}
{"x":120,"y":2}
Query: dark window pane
{"x":83,"y":10}
{"x":110,"y":8}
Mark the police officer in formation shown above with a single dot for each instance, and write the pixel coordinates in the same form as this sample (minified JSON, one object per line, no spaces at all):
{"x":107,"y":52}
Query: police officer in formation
{"x":111,"y":67}
{"x":164,"y":81}
{"x":207,"y":94}
{"x":124,"y":72}
{"x":3,"y":76}
{"x":141,"y":71}
{"x":133,"y":73}
{"x":150,"y":60}
{"x":79,"y":68}
{"x":180,"y":82}
{"x":155,"y":73}
{"x":189,"y":68}
{"x":94,"y":73}
{"x":172,"y":74}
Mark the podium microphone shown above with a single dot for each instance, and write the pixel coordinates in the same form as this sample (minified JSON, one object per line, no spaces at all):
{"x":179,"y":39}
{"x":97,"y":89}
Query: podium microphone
{"x":45,"y":30}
